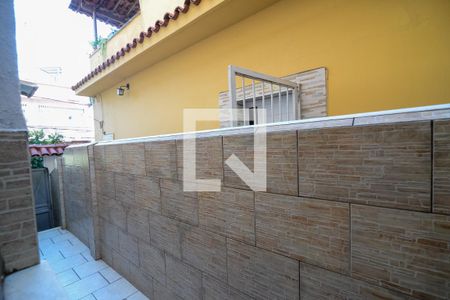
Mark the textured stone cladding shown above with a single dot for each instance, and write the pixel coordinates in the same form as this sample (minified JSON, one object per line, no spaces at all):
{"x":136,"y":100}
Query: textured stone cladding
{"x":404,"y":250}
{"x":355,"y":212}
{"x":383,"y":165}
{"x":281,"y":161}
{"x":79,"y":201}
{"x":18,"y":243}
{"x":441,"y":169}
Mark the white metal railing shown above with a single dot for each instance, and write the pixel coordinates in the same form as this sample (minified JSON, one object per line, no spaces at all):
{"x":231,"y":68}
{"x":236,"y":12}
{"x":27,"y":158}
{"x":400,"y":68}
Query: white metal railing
{"x":278,"y":97}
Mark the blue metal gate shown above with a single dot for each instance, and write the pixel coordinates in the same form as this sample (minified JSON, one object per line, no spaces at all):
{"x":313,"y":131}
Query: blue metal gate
{"x":43,"y":199}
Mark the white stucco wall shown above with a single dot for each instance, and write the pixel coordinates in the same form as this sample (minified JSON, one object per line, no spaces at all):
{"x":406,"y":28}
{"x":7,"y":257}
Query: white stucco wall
{"x":11,"y":116}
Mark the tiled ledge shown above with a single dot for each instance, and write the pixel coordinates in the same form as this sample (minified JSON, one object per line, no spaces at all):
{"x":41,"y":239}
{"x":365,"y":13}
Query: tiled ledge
{"x":423,"y":113}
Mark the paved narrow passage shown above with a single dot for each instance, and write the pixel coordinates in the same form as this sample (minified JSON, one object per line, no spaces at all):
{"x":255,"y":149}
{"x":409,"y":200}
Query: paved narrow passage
{"x":81,"y":276}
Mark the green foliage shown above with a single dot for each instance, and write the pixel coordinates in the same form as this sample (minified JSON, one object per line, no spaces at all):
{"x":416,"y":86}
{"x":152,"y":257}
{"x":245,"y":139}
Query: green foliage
{"x":38,"y":137}
{"x":101,"y":42}
{"x":98,"y":43}
{"x":37,"y":162}
{"x":55,"y":138}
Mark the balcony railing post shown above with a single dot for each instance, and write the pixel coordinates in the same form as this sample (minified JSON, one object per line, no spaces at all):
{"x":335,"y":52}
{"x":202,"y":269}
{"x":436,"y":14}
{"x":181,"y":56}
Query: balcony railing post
{"x":296,"y":103}
{"x":244,"y":111}
{"x":232,"y":91}
{"x":271,"y":101}
{"x":287,"y":104}
{"x":254,"y":102}
{"x":280,"y":114}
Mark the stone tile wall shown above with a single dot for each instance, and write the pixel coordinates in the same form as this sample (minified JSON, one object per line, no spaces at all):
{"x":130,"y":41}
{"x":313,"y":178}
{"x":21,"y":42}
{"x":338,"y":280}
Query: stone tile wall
{"x":351,"y":212}
{"x":18,"y":243}
{"x":80,"y":199}
{"x":441,"y":169}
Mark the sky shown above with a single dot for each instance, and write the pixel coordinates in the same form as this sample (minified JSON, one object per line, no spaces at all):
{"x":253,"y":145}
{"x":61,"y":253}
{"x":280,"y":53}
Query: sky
{"x":49,"y":34}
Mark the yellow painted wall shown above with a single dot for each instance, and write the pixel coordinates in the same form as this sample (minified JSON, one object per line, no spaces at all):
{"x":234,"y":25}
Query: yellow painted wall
{"x":151,"y":11}
{"x":125,"y":35}
{"x":382,"y":54}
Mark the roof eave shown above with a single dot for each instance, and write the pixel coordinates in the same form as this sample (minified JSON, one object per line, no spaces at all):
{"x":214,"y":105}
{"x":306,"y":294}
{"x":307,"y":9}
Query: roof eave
{"x":201,"y":22}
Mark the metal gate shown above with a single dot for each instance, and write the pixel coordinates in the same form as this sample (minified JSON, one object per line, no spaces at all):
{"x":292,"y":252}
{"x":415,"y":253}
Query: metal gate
{"x":43,"y":199}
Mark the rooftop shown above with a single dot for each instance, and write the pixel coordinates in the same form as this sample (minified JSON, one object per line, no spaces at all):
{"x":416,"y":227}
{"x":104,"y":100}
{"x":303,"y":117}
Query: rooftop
{"x":139,"y":39}
{"x":112,"y":12}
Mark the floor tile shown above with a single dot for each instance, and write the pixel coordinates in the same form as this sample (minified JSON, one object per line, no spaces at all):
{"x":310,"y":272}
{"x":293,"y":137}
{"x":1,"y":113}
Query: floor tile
{"x":75,"y":241}
{"x":97,"y":278}
{"x":68,"y":263}
{"x":110,"y":274}
{"x":67,"y":277}
{"x":37,"y":282}
{"x":47,"y":234}
{"x":62,"y":244}
{"x":53,"y":258}
{"x":71,"y":250}
{"x":89,"y":268}
{"x":51,"y":249}
{"x":45,"y":243}
{"x":118,"y":290}
{"x":62,"y":237}
{"x":86,"y":286}
{"x":87,"y":254}
{"x":63,"y":231}
{"x":137,"y":296}
{"x":88,"y":297}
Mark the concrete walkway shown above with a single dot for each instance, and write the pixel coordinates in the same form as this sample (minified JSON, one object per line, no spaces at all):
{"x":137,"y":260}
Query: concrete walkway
{"x":75,"y":271}
{"x":37,"y":282}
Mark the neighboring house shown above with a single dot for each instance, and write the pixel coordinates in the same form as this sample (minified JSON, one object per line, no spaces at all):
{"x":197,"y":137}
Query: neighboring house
{"x":346,"y":56}
{"x":55,"y":108}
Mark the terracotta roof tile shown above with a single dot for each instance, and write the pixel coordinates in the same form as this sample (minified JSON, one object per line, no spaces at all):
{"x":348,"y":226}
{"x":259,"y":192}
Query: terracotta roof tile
{"x":46,"y":150}
{"x":140,"y":39}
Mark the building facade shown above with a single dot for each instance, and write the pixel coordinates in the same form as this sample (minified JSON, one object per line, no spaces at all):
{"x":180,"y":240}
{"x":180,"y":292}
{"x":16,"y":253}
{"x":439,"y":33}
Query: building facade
{"x":55,"y":108}
{"x":378,"y":55}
